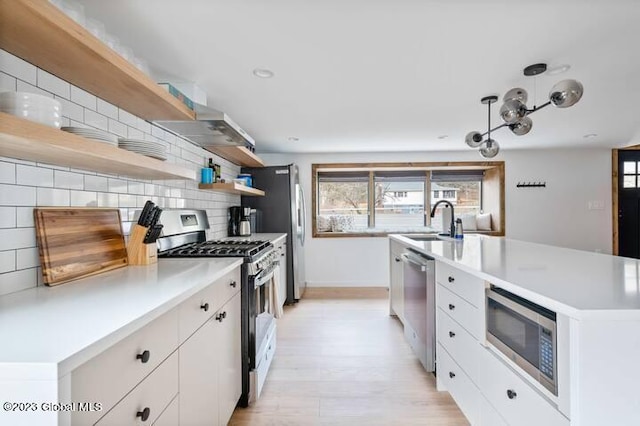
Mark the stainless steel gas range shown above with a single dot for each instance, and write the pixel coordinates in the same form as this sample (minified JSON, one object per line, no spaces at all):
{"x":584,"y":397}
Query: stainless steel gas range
{"x":184,"y":235}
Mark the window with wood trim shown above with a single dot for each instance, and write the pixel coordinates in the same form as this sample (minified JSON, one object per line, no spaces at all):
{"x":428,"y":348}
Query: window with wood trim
{"x":383,"y":198}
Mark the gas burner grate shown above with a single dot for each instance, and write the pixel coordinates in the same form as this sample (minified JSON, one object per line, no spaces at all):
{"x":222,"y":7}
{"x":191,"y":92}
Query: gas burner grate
{"x":219,"y":248}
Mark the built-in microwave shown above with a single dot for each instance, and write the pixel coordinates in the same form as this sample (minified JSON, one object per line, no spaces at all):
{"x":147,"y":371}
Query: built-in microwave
{"x":525,"y":332}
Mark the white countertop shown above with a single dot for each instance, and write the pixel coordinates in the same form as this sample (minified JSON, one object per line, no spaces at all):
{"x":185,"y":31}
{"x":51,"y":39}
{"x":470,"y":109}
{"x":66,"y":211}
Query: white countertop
{"x":273,"y":237}
{"x":580,"y":284}
{"x":48,"y":331}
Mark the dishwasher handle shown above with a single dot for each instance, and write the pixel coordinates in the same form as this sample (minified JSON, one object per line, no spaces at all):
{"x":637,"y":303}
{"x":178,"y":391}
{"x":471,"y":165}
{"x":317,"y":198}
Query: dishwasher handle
{"x":416,"y":260}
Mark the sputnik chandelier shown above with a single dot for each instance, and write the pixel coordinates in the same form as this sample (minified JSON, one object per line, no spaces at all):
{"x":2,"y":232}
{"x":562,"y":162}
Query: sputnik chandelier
{"x":515,"y":113}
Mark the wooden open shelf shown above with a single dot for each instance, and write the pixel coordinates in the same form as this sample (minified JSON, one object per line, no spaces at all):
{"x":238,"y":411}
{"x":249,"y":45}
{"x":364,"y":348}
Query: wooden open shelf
{"x":237,"y":155}
{"x":31,"y":141}
{"x":233,"y":188}
{"x":38,"y":32}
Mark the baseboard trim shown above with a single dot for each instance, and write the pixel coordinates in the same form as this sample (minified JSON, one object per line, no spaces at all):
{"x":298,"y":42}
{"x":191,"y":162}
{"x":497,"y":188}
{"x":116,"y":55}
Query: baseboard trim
{"x":346,"y":293}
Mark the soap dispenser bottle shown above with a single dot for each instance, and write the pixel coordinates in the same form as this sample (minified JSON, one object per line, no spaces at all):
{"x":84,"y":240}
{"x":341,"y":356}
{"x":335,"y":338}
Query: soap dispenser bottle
{"x":459,"y":233}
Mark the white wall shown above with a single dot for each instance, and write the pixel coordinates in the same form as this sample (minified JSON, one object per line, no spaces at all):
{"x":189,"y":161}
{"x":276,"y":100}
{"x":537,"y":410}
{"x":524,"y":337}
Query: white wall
{"x":26,"y":184}
{"x":558,"y":214}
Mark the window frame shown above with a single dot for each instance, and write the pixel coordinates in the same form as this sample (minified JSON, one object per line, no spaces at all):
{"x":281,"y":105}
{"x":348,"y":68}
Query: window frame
{"x":496,"y":167}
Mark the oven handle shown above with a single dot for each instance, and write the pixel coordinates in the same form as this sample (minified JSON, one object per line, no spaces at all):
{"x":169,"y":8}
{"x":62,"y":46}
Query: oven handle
{"x":264,"y":277}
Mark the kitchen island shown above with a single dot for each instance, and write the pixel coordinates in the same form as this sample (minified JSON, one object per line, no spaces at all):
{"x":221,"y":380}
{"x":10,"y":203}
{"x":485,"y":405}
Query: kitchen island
{"x":596,"y":299}
{"x":95,"y":340}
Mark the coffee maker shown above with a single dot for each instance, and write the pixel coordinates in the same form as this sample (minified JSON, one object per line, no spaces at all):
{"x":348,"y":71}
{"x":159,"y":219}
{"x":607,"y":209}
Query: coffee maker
{"x":239,"y":225}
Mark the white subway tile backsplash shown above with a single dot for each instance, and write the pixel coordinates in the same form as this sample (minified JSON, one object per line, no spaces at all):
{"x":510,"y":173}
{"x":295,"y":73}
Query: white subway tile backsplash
{"x":96,"y":183}
{"x":135,"y":187}
{"x":143,"y":125}
{"x":107,"y":199}
{"x":117,"y":185}
{"x":34,"y":176}
{"x":24,"y":217}
{"x":126,"y":200}
{"x":27,"y":258}
{"x":53,"y":84}
{"x":105,"y":108}
{"x":8,"y":217}
{"x":71,"y":110}
{"x":7,"y":82}
{"x":93,"y":119}
{"x":17,"y":238}
{"x":133,"y":133}
{"x":117,"y":128}
{"x":84,"y":199}
{"x":68,"y":180}
{"x":83,"y":98}
{"x":16,"y":67}
{"x":7,"y":172}
{"x":157,"y":132}
{"x":150,"y":189}
{"x":127,"y":118}
{"x":30,"y":88}
{"x":7,"y":261}
{"x":14,"y":195}
{"x":53,"y":197}
{"x":18,"y":280}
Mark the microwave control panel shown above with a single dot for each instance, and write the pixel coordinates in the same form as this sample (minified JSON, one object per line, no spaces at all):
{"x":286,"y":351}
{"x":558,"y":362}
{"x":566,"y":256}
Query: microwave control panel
{"x":546,"y":352}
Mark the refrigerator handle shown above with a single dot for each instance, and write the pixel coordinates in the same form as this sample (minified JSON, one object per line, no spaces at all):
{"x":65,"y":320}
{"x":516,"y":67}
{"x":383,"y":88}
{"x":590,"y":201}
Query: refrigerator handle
{"x":302,"y":213}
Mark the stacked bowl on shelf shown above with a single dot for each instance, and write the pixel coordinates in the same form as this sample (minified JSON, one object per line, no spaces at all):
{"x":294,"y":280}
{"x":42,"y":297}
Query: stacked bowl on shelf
{"x":32,"y":107}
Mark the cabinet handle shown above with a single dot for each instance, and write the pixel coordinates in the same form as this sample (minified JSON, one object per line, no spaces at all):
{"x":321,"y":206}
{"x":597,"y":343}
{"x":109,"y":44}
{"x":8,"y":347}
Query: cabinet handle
{"x":397,"y":259}
{"x":282,"y":254}
{"x":452,"y":334}
{"x":219,"y":317}
{"x":144,"y":414}
{"x":233,"y":284}
{"x":451,"y":307}
{"x":144,"y":357}
{"x":511,"y":394}
{"x":224,"y":314}
{"x":451,"y":279}
{"x":452,"y":374}
{"x":205,"y":307}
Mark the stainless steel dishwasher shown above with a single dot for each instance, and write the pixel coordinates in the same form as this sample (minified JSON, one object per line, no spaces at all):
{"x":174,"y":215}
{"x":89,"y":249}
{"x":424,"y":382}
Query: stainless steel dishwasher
{"x":419,"y":283}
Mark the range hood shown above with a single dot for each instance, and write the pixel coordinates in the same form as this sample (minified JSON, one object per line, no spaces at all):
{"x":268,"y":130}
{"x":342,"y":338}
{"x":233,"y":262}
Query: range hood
{"x":210,"y":128}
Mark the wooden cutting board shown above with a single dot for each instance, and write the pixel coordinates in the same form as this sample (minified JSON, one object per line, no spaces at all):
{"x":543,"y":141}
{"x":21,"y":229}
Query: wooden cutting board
{"x":78,"y":242}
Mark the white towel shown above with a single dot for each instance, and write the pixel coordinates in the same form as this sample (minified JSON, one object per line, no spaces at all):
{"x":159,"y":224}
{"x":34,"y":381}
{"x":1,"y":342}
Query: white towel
{"x":275,"y":306}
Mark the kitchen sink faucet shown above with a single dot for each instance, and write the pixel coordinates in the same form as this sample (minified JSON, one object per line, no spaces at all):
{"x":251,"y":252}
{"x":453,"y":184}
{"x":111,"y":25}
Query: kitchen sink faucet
{"x":452,"y":228}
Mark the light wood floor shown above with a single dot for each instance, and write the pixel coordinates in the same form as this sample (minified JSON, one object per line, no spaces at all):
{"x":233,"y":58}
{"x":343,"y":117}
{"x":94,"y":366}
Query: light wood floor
{"x":342,"y":360}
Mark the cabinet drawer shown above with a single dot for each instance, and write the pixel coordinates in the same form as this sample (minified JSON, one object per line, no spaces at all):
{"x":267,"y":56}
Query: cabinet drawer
{"x":516,"y":401}
{"x":109,"y":376}
{"x":465,"y":285}
{"x":461,"y":345}
{"x":461,"y":388}
{"x":468,"y":316}
{"x":489,"y":416}
{"x":198,"y":308}
{"x":150,"y":397}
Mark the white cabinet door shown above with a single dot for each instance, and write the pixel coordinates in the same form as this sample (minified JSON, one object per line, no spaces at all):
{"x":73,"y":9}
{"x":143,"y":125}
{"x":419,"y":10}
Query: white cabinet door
{"x":199,"y":375}
{"x":230,"y":359}
{"x":396,"y":290}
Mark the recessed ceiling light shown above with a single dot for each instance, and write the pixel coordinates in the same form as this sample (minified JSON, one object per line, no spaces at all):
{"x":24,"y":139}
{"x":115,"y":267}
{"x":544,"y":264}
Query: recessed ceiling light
{"x":590,"y":135}
{"x":559,"y":69}
{"x":443,"y":137}
{"x":263,"y":73}
{"x":293,"y":139}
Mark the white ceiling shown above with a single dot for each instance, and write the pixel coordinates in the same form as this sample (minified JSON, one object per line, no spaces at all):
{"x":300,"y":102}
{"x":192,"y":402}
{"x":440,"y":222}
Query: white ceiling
{"x":371,"y":75}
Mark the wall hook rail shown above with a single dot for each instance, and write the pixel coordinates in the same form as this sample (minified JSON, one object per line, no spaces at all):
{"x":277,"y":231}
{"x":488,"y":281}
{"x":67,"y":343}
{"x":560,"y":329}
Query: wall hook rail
{"x":531,"y":185}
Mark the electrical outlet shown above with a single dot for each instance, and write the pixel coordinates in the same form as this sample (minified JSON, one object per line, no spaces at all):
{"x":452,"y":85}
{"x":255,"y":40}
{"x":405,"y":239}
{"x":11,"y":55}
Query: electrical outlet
{"x":595,"y":205}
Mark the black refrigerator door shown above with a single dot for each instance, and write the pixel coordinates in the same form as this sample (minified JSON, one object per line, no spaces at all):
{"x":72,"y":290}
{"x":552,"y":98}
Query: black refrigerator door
{"x":275,"y":209}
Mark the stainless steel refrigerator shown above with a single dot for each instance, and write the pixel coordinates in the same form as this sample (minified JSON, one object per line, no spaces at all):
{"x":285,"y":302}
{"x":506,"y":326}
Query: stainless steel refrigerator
{"x":282,"y":209}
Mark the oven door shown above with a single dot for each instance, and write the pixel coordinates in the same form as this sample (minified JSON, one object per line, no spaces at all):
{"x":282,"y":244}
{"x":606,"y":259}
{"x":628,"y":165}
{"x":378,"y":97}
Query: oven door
{"x":525,"y":333}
